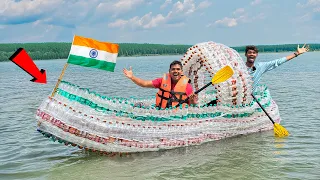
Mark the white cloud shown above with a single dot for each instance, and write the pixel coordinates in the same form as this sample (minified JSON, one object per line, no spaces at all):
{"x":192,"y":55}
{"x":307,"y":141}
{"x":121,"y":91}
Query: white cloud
{"x":119,"y":6}
{"x":63,"y":12}
{"x":174,"y":18}
{"x":311,"y":11}
{"x":256,"y":2}
{"x":239,"y":16}
{"x":49,"y":27}
{"x":247,"y":19}
{"x":186,"y":7}
{"x":76,"y":13}
{"x":309,"y":3}
{"x":155,"y":21}
{"x":304,"y":18}
{"x":125,"y":5}
{"x":26,"y":9}
{"x":313,"y":2}
{"x":118,"y":23}
{"x":299,"y":5}
{"x":204,"y":4}
{"x":4,"y":6}
{"x":37,"y":22}
{"x":239,"y":11}
{"x":228,"y":22}
{"x":56,"y":12}
{"x":145,"y":22}
{"x":165,"y":4}
{"x":232,"y":22}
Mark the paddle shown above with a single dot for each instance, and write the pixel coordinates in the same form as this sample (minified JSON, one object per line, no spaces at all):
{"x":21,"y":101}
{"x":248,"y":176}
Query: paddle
{"x":222,"y":75}
{"x":279,"y":131}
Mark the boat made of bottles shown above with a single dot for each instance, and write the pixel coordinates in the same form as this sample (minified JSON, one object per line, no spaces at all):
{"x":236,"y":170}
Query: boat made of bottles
{"x":81,"y":117}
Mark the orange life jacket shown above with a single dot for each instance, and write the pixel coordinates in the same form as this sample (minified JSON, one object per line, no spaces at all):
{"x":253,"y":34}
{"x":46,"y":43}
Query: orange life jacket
{"x":166,"y":98}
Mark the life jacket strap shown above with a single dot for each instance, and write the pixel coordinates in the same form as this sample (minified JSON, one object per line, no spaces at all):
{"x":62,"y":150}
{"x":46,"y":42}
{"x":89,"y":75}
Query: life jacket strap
{"x":173,"y":98}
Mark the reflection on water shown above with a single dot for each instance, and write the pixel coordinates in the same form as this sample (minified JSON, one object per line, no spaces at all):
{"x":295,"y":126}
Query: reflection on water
{"x":223,"y":158}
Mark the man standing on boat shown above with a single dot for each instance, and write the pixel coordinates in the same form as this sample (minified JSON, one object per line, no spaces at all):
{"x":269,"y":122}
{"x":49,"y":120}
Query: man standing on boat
{"x":173,"y":87}
{"x":259,"y":68}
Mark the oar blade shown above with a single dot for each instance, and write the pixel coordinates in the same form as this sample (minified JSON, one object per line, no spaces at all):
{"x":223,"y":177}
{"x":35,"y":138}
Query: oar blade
{"x":222,"y":75}
{"x":280,"y":131}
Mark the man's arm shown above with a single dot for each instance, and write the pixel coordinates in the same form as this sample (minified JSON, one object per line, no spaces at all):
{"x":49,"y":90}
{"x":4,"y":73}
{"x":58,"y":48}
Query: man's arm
{"x":268,"y":66}
{"x":136,"y":80}
{"x":275,"y":63}
{"x":299,"y":51}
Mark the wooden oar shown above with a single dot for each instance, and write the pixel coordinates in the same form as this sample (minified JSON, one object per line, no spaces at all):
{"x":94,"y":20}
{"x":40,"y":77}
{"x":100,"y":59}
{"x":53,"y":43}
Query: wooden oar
{"x":222,"y":75}
{"x":279,"y":130}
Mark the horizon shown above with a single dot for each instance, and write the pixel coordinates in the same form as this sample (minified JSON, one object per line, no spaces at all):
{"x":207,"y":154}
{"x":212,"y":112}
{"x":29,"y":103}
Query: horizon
{"x":184,"y":22}
{"x":166,"y":44}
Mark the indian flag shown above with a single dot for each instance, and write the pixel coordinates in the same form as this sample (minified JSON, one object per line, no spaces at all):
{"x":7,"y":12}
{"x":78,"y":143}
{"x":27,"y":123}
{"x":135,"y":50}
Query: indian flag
{"x":92,"y":53}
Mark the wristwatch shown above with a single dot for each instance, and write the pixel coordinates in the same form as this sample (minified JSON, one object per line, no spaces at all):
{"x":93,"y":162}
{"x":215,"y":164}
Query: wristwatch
{"x":296,"y":54}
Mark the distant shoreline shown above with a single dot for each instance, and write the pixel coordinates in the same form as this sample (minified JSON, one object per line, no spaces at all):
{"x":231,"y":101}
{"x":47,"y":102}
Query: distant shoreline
{"x":157,"y":55}
{"x":60,"y":50}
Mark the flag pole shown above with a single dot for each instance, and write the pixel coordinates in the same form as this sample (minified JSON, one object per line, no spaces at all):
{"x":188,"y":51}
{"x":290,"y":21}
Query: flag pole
{"x":59,"y":80}
{"x":62,"y":73}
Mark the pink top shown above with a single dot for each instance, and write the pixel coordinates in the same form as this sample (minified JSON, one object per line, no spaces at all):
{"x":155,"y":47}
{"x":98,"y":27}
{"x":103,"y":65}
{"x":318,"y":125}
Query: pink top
{"x":157,"y":83}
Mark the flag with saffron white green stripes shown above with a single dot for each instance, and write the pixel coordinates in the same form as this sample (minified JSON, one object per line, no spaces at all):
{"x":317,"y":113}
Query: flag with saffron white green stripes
{"x":92,"y":53}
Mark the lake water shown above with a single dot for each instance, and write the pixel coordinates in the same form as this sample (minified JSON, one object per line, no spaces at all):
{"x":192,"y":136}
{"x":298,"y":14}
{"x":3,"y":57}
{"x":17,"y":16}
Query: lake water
{"x":26,"y":154}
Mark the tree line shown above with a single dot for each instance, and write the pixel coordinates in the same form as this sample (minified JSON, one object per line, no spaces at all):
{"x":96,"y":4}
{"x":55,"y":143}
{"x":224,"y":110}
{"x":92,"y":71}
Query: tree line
{"x":60,"y":50}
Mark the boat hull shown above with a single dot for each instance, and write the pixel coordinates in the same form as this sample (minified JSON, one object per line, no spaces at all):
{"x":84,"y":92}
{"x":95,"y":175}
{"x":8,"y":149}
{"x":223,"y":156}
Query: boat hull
{"x":84,"y":119}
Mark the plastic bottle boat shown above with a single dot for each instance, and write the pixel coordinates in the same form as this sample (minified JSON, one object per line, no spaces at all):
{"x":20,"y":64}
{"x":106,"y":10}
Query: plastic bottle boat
{"x":80,"y":117}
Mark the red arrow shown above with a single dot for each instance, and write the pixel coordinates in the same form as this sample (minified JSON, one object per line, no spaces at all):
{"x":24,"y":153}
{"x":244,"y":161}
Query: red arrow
{"x":24,"y":61}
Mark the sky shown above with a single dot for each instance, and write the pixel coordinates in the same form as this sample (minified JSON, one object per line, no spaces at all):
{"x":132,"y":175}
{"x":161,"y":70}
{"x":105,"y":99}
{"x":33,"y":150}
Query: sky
{"x":230,"y":22}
